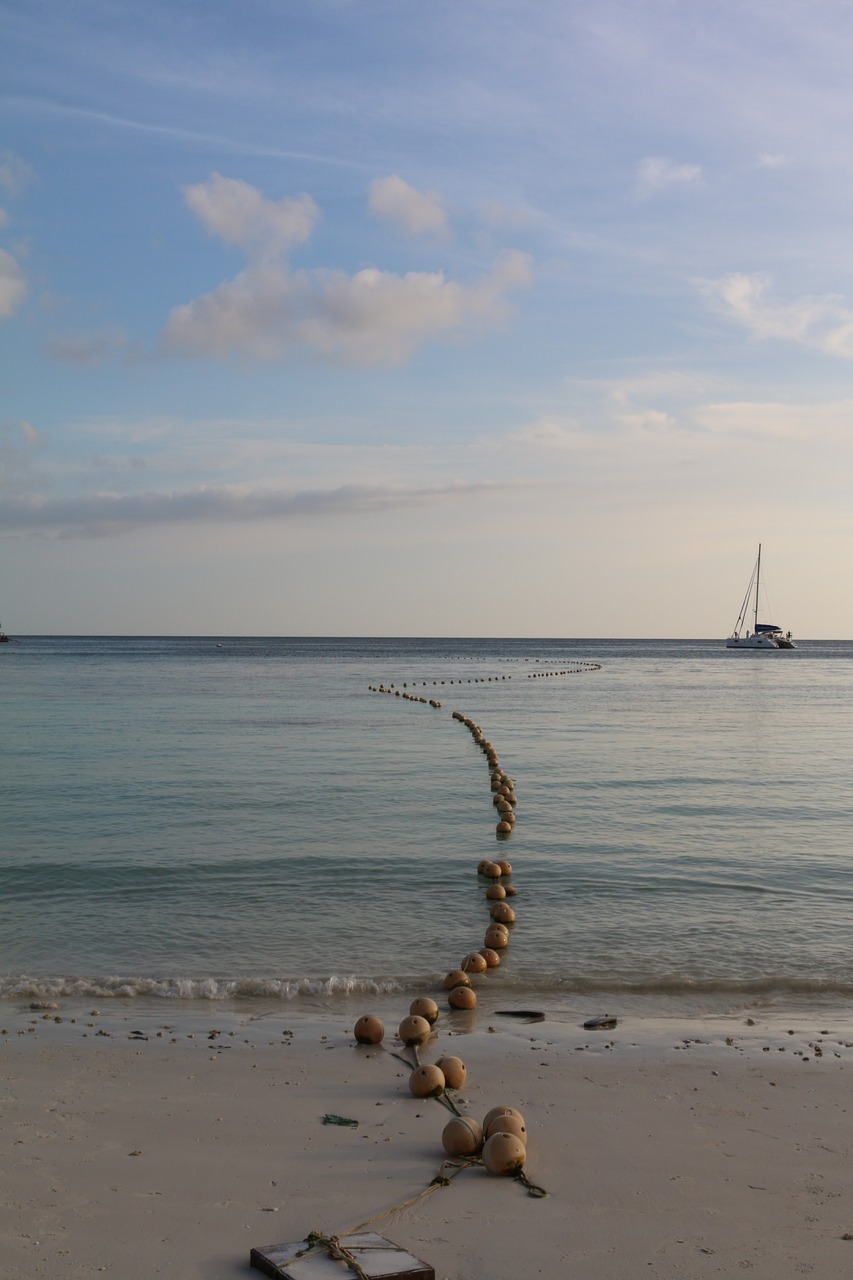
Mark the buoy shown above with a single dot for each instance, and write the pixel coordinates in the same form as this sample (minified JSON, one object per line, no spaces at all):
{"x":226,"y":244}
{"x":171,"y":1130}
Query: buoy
{"x":427,"y":1081}
{"x":504,"y":1154}
{"x":368,"y":1030}
{"x":462,"y":998}
{"x":503,"y":913}
{"x":474,"y":963}
{"x":455,"y":1072}
{"x":462,"y":1136}
{"x":492,"y":871}
{"x":506,"y":868}
{"x":511,"y":891}
{"x":414,"y":1030}
{"x":495,"y":940}
{"x":500,"y":1111}
{"x":490,"y":956}
{"x":496,"y":893}
{"x":503,"y":828}
{"x":481,"y":866}
{"x":456,"y":978}
{"x":423,"y":1007}
{"x":508,"y":1124}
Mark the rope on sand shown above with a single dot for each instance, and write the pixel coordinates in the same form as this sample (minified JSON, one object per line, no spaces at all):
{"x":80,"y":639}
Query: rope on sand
{"x":447,"y":1172}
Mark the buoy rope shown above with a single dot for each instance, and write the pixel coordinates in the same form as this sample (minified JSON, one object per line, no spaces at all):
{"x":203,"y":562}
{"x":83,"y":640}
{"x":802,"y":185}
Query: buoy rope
{"x":444,"y":1097}
{"x":448,"y":1170}
{"x":538,"y":1193}
{"x":334,"y":1248}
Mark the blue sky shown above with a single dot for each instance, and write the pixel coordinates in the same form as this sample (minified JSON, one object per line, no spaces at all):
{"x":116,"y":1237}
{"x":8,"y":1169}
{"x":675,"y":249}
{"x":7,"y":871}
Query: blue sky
{"x":469,"y":318}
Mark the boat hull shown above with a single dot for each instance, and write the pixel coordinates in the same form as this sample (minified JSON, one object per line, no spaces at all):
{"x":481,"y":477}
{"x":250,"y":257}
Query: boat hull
{"x":760,"y":641}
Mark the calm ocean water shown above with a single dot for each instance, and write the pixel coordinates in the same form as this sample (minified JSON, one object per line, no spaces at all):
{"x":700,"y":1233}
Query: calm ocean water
{"x":244,"y":820}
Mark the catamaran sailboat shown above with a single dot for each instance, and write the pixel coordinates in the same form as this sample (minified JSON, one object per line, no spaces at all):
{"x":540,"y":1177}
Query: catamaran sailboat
{"x":764,"y":635}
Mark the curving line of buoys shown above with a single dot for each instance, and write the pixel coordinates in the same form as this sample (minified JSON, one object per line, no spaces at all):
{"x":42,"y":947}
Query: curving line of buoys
{"x":503,"y":788}
{"x":399,"y":693}
{"x":499,"y":1143}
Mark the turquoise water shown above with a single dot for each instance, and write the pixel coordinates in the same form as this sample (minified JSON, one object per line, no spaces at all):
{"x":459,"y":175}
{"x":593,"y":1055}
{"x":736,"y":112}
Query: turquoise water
{"x":243,"y":819}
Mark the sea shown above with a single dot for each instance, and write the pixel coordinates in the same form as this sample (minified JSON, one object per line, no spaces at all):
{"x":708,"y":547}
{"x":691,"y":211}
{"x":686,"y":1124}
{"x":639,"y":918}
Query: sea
{"x":246,"y":825}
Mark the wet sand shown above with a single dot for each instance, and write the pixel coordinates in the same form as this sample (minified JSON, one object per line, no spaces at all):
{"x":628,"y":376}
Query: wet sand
{"x":666,"y":1150}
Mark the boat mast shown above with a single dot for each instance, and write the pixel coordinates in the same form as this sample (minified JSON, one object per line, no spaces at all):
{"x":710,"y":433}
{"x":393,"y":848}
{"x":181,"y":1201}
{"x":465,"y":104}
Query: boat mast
{"x":757,"y":581}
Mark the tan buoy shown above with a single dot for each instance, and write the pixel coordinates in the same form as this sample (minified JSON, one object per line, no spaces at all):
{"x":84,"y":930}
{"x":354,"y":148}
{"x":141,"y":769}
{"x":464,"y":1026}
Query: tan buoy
{"x":495,"y":941}
{"x":500,"y":1111}
{"x":489,"y":869}
{"x":496,"y":892}
{"x":462,"y":998}
{"x":490,"y":956}
{"x":511,"y":891}
{"x":456,"y":978}
{"x":502,"y":912}
{"x":506,"y":867}
{"x":368,"y":1030}
{"x":474,"y":963}
{"x":414,"y":1030}
{"x":508,"y":1124}
{"x":423,"y":1007}
{"x":462,"y":1136}
{"x":455,"y":1072}
{"x":426,"y":1081}
{"x":504,"y":1154}
{"x":504,"y":828}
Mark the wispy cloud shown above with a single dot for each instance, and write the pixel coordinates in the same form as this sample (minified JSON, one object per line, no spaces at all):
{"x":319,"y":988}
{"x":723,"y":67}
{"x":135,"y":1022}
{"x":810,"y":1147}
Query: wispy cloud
{"x":656,"y":174}
{"x":19,"y":443}
{"x":824,"y":322}
{"x":413,"y":211}
{"x":15,"y":174}
{"x":13,"y":285}
{"x":220,"y":142}
{"x":109,"y":514}
{"x":94,"y":348}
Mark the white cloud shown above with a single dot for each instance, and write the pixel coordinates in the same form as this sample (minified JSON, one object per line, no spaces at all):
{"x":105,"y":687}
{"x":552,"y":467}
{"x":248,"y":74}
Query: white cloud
{"x":370,"y":318}
{"x":13,"y":286}
{"x":239,"y":214}
{"x":656,"y":174}
{"x":413,"y":211}
{"x":821,"y":322}
{"x":268,"y":311}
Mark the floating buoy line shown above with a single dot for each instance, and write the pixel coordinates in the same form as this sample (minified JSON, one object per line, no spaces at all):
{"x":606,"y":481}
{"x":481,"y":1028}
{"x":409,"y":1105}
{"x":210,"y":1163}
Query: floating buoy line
{"x":499,"y":1143}
{"x":579,"y":667}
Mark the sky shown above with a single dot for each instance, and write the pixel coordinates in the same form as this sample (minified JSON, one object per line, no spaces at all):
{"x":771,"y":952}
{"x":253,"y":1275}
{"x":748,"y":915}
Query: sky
{"x":467,"y":318}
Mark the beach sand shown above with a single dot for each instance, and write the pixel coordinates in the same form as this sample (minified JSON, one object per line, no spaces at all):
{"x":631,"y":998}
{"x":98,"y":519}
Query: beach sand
{"x":666,"y":1151}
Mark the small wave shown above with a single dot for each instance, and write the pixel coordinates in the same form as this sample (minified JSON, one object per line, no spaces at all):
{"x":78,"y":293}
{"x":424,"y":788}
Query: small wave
{"x":127,"y":988}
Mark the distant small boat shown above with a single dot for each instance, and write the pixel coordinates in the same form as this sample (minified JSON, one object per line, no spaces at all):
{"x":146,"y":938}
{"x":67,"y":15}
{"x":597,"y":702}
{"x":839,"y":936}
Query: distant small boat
{"x":764,"y":635}
{"x":4,"y":639}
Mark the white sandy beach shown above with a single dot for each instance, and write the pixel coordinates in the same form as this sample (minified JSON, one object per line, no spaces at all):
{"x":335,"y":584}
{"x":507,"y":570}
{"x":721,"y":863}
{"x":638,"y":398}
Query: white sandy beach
{"x":663,"y":1157}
